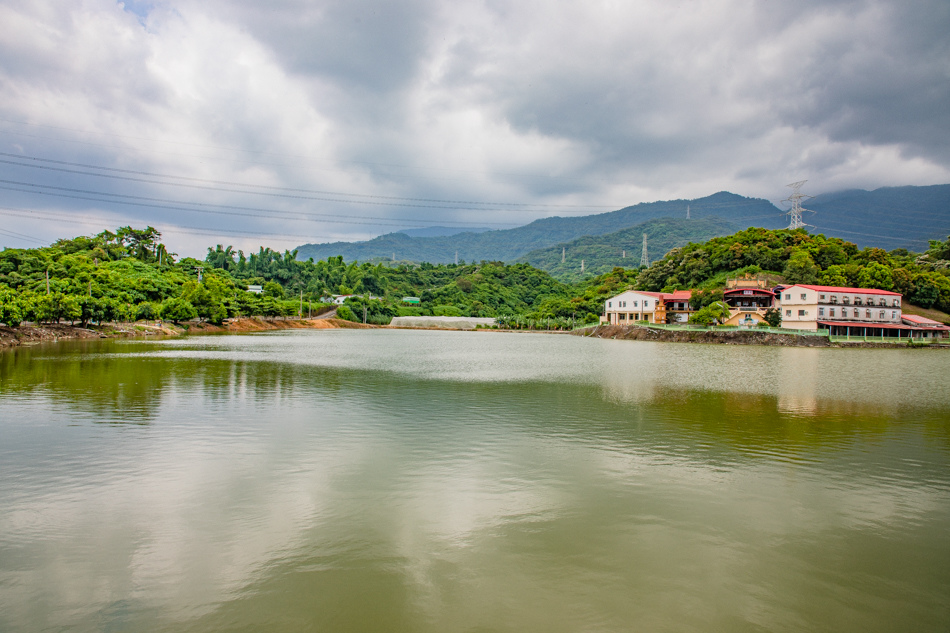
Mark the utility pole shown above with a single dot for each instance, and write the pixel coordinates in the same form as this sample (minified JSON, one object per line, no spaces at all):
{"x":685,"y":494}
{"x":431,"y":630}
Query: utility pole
{"x":309,"y":308}
{"x":47,"y":281}
{"x":644,"y":258}
{"x":301,"y":303}
{"x":563,"y":253}
{"x":624,"y":256}
{"x":198,"y":269}
{"x":582,"y":266}
{"x":364,"y":313}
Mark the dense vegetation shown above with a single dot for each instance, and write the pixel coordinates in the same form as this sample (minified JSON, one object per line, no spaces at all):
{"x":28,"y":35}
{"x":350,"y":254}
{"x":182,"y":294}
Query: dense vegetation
{"x":603,"y":253}
{"x":799,"y":257}
{"x":129,"y":275}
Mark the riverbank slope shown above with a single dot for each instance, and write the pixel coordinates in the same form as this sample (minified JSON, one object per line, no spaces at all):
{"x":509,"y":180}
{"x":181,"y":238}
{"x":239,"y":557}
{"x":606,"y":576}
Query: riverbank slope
{"x":47,"y":333}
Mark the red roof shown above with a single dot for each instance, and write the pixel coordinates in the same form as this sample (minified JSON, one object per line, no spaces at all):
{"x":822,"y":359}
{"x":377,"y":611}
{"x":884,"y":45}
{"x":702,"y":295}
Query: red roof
{"x":764,"y":291}
{"x":863,"y":291}
{"x":886,"y":326}
{"x":919,"y":320}
{"x":678,"y":295}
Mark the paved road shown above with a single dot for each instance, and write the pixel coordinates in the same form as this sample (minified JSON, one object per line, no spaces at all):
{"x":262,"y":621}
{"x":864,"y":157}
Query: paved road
{"x":327,"y":315}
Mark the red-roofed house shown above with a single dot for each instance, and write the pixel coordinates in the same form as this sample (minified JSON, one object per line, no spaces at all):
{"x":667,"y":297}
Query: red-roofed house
{"x":654,"y":307}
{"x":804,"y":306}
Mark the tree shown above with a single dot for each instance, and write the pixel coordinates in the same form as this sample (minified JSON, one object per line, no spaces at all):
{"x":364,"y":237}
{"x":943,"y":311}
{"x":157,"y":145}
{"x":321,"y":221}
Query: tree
{"x":715,"y":312}
{"x":11,"y":311}
{"x":801,"y":269}
{"x":876,"y":275}
{"x":177,"y":309}
{"x":773,"y":317}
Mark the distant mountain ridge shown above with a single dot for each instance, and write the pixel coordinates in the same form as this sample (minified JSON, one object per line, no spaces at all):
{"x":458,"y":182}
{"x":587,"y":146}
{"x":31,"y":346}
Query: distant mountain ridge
{"x":602,"y":253}
{"x":510,"y":244}
{"x":888,"y":217}
{"x":440,"y":231}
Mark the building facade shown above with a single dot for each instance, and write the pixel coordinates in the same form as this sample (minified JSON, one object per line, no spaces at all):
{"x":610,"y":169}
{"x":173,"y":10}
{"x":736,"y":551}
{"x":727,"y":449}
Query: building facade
{"x":805,"y":306}
{"x":632,"y":306}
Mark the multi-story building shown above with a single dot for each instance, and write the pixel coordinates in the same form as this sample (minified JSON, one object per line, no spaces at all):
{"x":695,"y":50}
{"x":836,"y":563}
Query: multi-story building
{"x":806,"y":307}
{"x":748,"y":299}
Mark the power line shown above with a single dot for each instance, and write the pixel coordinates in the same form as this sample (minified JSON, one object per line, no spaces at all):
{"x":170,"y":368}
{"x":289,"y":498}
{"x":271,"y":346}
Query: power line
{"x":293,"y":189}
{"x":262,"y":153}
{"x":87,"y":219}
{"x":21,"y":236}
{"x":301,"y":215}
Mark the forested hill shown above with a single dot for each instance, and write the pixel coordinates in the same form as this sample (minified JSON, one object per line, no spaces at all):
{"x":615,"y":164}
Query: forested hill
{"x":602,"y":253}
{"x":888,"y":218}
{"x":511,"y":244}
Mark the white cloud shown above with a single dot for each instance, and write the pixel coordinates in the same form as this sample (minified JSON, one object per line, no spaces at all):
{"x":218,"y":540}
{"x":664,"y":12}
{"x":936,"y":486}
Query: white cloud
{"x":576,"y":103}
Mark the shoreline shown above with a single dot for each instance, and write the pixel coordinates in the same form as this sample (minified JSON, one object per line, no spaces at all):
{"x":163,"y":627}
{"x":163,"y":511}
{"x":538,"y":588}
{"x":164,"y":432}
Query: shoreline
{"x":734,"y":337}
{"x":36,"y":334}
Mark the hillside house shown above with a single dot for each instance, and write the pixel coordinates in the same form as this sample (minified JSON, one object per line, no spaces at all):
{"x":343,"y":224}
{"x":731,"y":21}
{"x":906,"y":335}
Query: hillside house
{"x":653,"y":307}
{"x":632,"y":306}
{"x":748,"y":298}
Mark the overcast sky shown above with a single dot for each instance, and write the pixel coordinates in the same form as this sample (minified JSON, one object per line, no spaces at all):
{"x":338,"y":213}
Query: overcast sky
{"x":283,"y":122}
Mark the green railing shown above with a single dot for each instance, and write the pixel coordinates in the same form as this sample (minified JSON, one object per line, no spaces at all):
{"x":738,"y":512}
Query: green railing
{"x":689,"y":327}
{"x":890,"y":339}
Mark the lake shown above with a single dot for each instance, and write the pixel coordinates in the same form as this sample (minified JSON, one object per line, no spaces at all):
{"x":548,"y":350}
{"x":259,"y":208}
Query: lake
{"x":386,"y":480}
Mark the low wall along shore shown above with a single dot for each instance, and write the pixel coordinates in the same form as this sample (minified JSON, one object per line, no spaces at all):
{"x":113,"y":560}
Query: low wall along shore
{"x":442,"y":322}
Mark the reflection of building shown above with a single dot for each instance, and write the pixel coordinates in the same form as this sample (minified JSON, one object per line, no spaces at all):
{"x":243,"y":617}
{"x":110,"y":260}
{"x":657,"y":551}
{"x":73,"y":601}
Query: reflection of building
{"x":748,"y":298}
{"x":653,"y":307}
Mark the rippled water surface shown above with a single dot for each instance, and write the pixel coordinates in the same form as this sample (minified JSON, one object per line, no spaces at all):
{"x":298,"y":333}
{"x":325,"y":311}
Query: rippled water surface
{"x":379,"y":480}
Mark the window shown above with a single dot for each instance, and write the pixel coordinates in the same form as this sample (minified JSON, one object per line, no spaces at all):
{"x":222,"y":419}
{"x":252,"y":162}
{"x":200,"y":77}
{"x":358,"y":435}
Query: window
{"x":788,"y":313}
{"x":831,"y":312}
{"x":804,"y":296}
{"x":846,"y":300}
{"x":788,"y":297}
{"x":821,"y":297}
{"x":610,"y":304}
{"x":867,"y":314}
{"x":882,"y":302}
{"x":821,"y":312}
{"x":857,"y":313}
{"x":897,"y":303}
{"x":802,"y":313}
{"x":857,"y":301}
{"x":623,"y":317}
{"x":893,"y":314}
{"x":882,"y":314}
{"x":634,"y":304}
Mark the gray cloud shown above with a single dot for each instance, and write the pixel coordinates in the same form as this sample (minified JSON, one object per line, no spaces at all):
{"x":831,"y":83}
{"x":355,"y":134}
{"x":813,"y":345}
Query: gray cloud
{"x":574,"y":103}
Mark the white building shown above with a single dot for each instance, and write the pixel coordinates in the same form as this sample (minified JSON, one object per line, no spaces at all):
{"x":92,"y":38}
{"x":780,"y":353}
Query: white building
{"x":632,"y":306}
{"x":803,"y":306}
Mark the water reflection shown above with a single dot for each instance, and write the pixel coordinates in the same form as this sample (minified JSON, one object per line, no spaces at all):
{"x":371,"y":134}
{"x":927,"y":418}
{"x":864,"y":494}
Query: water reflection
{"x":458,"y":483}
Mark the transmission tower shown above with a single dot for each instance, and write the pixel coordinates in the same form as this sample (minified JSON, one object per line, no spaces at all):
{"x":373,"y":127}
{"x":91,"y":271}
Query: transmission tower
{"x":796,"y":211}
{"x":687,"y":212}
{"x":644,"y":258}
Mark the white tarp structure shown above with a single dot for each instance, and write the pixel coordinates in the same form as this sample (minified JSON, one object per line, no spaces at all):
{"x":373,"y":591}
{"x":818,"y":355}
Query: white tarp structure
{"x":444,"y":322}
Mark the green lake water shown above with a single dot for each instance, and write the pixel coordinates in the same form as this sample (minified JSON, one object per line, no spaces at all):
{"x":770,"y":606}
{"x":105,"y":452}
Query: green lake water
{"x":377,"y":480}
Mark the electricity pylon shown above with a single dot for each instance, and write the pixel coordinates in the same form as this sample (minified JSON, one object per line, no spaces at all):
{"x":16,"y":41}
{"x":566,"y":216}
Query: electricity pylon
{"x":796,"y":211}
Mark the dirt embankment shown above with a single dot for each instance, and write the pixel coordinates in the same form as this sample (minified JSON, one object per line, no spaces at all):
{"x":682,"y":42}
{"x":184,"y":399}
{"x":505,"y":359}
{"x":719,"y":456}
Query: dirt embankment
{"x":32,"y":334}
{"x":727,"y":337}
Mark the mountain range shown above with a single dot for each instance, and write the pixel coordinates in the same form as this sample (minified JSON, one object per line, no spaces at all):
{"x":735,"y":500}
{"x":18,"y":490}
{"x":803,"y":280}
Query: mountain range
{"x":889,"y":218}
